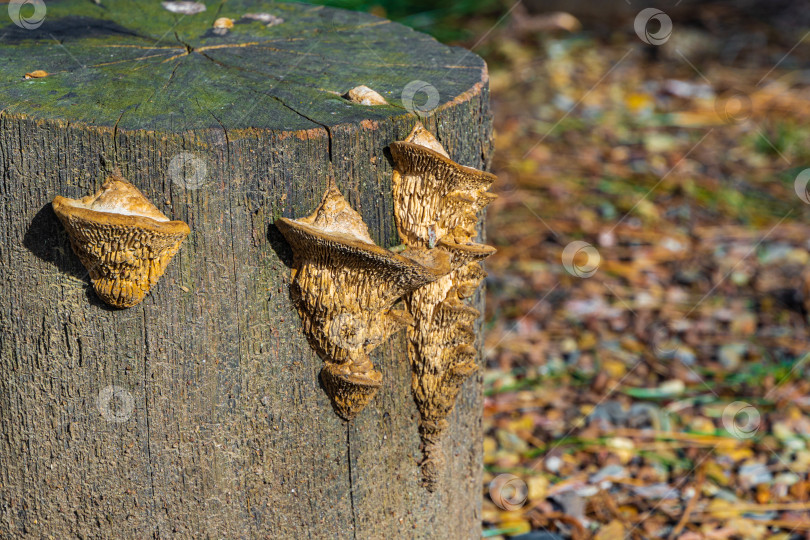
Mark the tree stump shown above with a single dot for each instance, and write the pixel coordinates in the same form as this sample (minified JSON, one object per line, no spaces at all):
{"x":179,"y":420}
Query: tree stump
{"x":199,"y":411}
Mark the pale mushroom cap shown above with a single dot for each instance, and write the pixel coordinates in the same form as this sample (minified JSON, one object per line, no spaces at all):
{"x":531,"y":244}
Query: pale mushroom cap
{"x":335,"y":216}
{"x":421,"y":136}
{"x":118,"y":203}
{"x":365,"y":96}
{"x":268,"y":18}
{"x":184,"y":7}
{"x":37,"y":74}
{"x":117,"y":196}
{"x":223,"y":22}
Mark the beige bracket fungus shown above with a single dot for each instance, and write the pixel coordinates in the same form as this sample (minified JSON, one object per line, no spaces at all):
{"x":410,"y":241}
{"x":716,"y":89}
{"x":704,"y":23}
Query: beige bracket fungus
{"x":122,"y":239}
{"x":435,"y":197}
{"x":436,"y":205}
{"x":345,"y":287}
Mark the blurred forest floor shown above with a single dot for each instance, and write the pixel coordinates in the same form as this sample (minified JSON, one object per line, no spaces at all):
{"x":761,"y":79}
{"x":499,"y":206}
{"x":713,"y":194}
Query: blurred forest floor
{"x":652,"y":382}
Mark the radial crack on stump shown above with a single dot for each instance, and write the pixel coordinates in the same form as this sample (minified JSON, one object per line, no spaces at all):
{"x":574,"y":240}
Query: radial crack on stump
{"x":436,"y":205}
{"x":122,"y":239}
{"x":344,"y":287}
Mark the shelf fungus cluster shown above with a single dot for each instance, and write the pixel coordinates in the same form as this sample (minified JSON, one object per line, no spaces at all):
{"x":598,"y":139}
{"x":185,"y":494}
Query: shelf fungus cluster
{"x":122,"y":239}
{"x":344,"y":287}
{"x":436,"y":205}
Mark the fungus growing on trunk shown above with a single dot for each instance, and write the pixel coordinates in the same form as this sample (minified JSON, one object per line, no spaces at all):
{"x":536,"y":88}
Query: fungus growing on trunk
{"x":436,"y":202}
{"x":122,"y":239}
{"x":345,"y":286}
{"x":434,"y":196}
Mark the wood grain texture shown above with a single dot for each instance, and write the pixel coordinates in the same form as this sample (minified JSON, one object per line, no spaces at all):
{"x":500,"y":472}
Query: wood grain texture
{"x":230,"y":434}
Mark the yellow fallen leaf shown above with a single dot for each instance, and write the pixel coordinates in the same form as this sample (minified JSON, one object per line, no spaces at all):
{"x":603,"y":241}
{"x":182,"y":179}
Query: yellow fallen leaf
{"x":538,"y":488}
{"x":639,"y":102}
{"x":720,"y":508}
{"x":614,"y":529}
{"x":739,"y":454}
{"x":490,"y":447}
{"x":38,"y":74}
{"x":623,"y":447}
{"x":524,"y":423}
{"x":716,"y":473}
{"x":614,"y":368}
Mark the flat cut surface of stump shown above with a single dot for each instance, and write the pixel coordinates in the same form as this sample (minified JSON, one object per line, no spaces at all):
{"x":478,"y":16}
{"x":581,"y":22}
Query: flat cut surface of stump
{"x":137,"y":65}
{"x":198,"y":412}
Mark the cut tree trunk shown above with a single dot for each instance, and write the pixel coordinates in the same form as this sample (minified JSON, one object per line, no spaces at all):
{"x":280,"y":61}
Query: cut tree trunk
{"x":199,"y":411}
